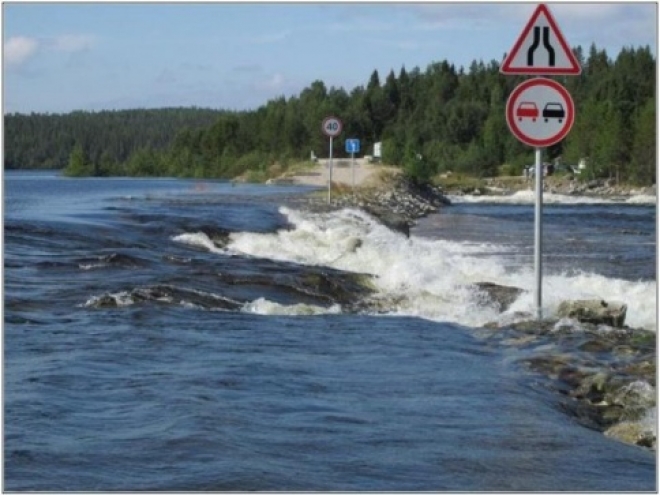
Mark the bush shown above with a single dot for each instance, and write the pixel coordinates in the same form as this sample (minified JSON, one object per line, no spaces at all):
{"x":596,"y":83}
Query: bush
{"x":79,"y":164}
{"x":418,"y":169}
{"x":255,"y":160}
{"x":256,"y":176}
{"x":509,"y":170}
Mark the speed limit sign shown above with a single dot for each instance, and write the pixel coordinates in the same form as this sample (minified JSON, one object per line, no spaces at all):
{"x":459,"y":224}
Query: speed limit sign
{"x":331,"y":126}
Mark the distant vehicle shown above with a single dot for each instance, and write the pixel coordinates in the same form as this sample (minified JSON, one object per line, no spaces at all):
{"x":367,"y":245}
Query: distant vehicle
{"x":549,"y":169}
{"x":554,"y":111}
{"x":530,"y":171}
{"x":527,"y":109}
{"x":568,"y":169}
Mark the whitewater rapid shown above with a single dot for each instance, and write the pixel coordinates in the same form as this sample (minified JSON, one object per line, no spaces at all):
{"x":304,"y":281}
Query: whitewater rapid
{"x":422,"y":277}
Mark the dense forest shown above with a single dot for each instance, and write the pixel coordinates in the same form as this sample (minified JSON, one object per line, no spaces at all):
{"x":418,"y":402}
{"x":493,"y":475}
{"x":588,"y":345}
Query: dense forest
{"x":454,"y":118}
{"x":46,"y":140}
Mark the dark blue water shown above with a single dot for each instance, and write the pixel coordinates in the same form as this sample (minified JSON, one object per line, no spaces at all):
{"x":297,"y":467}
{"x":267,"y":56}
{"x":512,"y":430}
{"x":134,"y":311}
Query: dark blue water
{"x":182,"y":389}
{"x":616,"y":240}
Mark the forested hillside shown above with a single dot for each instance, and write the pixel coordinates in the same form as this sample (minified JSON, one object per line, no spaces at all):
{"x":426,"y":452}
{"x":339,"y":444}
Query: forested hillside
{"x":47,"y":140}
{"x":453,"y":117}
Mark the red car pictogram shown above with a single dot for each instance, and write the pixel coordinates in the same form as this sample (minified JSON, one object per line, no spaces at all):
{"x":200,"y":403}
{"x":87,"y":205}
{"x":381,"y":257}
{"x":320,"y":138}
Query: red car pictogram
{"x":527,"y":109}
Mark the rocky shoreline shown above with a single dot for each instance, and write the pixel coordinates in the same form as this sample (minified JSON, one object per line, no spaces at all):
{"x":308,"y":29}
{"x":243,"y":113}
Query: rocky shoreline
{"x":603,"y":188}
{"x":602,"y":372}
{"x":397,"y":202}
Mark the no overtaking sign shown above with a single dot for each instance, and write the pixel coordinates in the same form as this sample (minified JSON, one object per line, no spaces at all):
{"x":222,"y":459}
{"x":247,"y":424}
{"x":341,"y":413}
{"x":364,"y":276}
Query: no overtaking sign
{"x":540,"y":112}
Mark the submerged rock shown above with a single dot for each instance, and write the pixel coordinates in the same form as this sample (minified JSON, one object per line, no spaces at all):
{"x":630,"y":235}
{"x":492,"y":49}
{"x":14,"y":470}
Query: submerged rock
{"x":314,"y":284}
{"x":163,"y":294}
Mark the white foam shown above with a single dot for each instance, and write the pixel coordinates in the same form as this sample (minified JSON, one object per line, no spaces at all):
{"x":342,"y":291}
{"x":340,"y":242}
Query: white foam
{"x":263,"y":306}
{"x":642,"y":199}
{"x":122,"y":299}
{"x":567,"y":325}
{"x":91,"y":266}
{"x":529,"y":197}
{"x":640,"y":297}
{"x":649,"y":421}
{"x":199,"y":239}
{"x":429,"y":278}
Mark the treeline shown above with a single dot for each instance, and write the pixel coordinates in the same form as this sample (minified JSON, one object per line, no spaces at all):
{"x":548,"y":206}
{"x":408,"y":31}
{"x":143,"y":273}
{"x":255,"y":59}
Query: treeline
{"x":47,"y":140}
{"x":453,"y":118}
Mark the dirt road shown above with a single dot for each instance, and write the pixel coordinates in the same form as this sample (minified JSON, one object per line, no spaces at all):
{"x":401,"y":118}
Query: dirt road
{"x":342,"y":172}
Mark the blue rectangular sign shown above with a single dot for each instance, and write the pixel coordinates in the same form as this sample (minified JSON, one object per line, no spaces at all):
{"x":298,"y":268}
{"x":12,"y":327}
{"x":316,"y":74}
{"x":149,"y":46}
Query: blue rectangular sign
{"x":352,"y":146}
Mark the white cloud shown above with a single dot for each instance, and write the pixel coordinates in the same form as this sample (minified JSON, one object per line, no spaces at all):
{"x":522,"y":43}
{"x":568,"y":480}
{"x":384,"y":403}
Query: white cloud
{"x":273,"y":83}
{"x":272,"y":86}
{"x":19,"y":50}
{"x":72,"y":43}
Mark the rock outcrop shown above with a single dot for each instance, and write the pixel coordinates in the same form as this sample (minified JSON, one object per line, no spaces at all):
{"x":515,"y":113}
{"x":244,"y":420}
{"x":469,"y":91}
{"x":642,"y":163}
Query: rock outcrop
{"x":594,"y":311}
{"x":397,"y":202}
{"x":502,"y":295}
{"x":604,"y":376}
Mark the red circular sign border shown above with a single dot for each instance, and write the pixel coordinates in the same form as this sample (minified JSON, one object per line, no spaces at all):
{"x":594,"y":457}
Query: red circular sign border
{"x":510,"y":119}
{"x":341,"y":126}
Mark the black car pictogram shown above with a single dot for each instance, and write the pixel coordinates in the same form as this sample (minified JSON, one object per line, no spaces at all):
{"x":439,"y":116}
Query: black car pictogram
{"x":553,"y":111}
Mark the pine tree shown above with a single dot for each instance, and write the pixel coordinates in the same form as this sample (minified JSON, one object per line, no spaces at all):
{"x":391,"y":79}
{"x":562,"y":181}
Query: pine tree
{"x":79,"y":165}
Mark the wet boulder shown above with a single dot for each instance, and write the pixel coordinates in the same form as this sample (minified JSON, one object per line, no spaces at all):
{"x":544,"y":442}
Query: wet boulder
{"x":502,"y":295}
{"x":595,"y":311}
{"x":633,"y":432}
{"x":394,"y":221}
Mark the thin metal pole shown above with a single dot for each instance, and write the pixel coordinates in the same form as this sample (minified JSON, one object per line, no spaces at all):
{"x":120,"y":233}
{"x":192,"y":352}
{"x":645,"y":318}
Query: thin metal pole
{"x":353,"y":168}
{"x":538,"y":230}
{"x":330,"y":174}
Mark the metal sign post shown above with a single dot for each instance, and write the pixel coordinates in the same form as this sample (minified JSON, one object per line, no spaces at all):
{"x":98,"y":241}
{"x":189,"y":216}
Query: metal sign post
{"x":538,"y":230}
{"x":540,"y":112}
{"x":353,"y":170}
{"x":352,"y":147}
{"x":331,"y":127}
{"x":330,"y":172}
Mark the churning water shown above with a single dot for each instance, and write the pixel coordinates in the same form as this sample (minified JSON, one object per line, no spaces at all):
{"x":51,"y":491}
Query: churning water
{"x":184,"y":335}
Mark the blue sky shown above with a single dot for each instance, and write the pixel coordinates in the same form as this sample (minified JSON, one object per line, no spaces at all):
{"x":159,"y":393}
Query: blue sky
{"x":60,"y":57}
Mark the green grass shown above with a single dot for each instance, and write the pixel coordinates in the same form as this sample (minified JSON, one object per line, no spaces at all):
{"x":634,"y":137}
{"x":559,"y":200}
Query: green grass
{"x":461,"y":182}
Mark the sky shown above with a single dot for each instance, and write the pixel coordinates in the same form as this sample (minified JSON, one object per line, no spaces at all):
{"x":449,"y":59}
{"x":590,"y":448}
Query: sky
{"x":61,"y":57}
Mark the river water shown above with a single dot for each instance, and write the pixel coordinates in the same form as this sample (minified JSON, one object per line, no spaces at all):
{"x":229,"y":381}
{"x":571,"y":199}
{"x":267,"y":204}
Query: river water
{"x":180,"y":335}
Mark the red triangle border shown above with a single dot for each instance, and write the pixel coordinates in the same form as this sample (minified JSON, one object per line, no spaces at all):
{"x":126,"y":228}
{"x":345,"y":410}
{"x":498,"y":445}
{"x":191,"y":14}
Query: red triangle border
{"x":575,"y":70}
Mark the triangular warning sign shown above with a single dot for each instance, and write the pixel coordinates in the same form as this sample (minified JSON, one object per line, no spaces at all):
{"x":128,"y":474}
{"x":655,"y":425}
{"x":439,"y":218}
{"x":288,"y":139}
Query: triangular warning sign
{"x":541,"y":49}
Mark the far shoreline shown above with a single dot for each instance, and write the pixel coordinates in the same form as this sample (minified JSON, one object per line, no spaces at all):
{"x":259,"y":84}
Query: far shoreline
{"x":369,"y":176}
